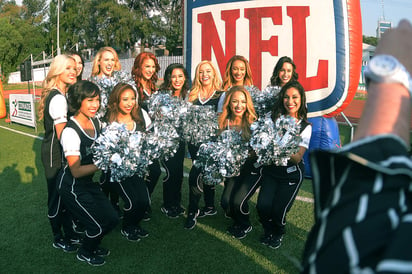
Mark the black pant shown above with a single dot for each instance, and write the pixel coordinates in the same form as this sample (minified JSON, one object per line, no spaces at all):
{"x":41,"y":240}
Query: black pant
{"x":172,"y":182}
{"x":59,"y":216}
{"x":237,"y":193}
{"x":153,"y":177}
{"x":196,"y":186}
{"x":279,"y":187}
{"x":86,"y":202}
{"x":135,"y":195}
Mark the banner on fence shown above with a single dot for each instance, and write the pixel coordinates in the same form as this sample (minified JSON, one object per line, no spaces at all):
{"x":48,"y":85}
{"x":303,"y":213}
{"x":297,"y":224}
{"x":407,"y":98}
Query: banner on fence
{"x":22,"y":109}
{"x":324,"y":39}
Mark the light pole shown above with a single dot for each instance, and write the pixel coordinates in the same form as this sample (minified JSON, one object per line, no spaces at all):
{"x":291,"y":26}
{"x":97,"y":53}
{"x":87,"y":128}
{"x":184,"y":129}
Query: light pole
{"x":58,"y":27}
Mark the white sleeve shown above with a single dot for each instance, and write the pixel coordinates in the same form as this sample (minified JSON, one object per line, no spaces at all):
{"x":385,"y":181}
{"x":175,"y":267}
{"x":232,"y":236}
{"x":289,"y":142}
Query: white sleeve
{"x":70,"y":142}
{"x":58,"y":109}
{"x":221,"y":102}
{"x":306,"y":134}
{"x":147,"y":120}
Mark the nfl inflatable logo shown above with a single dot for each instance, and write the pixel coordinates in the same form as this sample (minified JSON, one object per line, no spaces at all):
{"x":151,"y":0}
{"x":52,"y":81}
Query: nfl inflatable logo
{"x":324,"y":39}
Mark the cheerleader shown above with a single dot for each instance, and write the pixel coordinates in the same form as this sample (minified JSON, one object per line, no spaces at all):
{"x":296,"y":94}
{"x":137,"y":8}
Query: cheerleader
{"x":176,"y":81}
{"x":53,"y":109}
{"x":283,"y":72}
{"x":80,"y":194}
{"x":237,"y":73}
{"x":280,"y":184}
{"x":205,"y":92}
{"x":144,"y":73}
{"x":105,"y":63}
{"x":239,"y":113}
{"x":122,"y":108}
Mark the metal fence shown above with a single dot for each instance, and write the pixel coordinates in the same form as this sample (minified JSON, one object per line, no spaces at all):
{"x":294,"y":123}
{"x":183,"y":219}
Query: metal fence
{"x":38,"y":74}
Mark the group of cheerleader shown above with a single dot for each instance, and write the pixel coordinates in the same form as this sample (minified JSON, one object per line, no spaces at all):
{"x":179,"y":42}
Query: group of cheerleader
{"x":75,"y":111}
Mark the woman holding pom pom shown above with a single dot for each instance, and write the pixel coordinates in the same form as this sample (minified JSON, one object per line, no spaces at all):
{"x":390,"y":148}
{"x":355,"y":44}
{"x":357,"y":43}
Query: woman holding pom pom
{"x":238,"y":114}
{"x":123,"y":109}
{"x":237,"y":73}
{"x":283,"y":72}
{"x":105,"y":64}
{"x":176,"y":81}
{"x":280,"y":184}
{"x":53,"y":110}
{"x":80,"y":194}
{"x":205,"y":92}
{"x":144,"y":73}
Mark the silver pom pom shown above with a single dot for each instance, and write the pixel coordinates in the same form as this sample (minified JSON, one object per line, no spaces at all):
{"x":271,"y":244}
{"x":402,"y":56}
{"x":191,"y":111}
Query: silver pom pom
{"x":222,"y":158}
{"x":264,"y":100}
{"x":121,"y":152}
{"x":200,"y":124}
{"x":274,"y":143}
{"x":106,"y":86}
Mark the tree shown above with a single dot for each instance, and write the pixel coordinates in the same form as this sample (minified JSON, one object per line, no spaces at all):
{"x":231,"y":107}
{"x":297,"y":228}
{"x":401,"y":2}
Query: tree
{"x":373,"y":41}
{"x":34,"y":10}
{"x":18,"y":38}
{"x":162,"y":21}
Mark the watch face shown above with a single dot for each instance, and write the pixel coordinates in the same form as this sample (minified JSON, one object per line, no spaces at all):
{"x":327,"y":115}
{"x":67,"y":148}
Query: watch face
{"x":383,"y":65}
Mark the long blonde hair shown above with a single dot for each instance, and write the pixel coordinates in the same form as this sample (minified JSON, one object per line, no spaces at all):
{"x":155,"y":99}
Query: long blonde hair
{"x":98,"y":57}
{"x":248,"y":117}
{"x":57,"y":67}
{"x":229,"y":80}
{"x":197,"y":85}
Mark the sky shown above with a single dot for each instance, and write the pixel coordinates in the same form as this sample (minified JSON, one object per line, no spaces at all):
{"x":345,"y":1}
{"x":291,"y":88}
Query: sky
{"x":392,"y":10}
{"x":372,"y":10}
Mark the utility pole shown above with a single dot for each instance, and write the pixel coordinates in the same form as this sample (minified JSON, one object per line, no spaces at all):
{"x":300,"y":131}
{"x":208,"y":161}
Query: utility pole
{"x":58,"y":27}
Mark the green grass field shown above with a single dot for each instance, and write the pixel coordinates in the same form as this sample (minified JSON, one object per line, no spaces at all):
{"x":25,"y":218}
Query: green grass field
{"x":26,"y":238}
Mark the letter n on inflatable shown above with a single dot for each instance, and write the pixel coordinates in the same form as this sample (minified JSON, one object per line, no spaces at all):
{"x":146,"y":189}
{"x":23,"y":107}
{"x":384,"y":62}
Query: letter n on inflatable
{"x":324,"y":39}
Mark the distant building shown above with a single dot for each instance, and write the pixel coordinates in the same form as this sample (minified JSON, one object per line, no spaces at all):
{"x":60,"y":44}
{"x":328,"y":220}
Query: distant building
{"x":368,"y":52}
{"x":383,"y":26}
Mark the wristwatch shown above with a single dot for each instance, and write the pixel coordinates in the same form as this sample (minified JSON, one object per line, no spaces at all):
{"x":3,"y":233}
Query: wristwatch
{"x":387,"y":69}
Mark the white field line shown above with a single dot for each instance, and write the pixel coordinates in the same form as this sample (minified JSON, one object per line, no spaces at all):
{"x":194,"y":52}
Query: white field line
{"x":186,"y":175}
{"x":22,"y":133}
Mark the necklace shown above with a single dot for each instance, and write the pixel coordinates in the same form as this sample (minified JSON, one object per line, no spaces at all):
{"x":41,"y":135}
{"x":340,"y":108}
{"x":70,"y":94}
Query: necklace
{"x":206,"y":97}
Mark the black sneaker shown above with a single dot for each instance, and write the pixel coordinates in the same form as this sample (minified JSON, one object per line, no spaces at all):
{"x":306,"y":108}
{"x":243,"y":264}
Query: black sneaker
{"x":101,"y":251}
{"x":265,"y":239}
{"x":275,"y":241}
{"x":231,"y":229}
{"x":130,"y":234}
{"x":65,"y":246}
{"x":240,"y":232}
{"x":179,"y":210}
{"x":191,"y":220}
{"x":207,"y":211}
{"x":142,"y":233}
{"x":169,"y":212}
{"x":91,"y":259}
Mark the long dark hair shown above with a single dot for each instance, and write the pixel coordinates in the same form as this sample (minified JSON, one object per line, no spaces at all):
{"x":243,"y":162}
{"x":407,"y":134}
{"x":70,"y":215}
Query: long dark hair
{"x":167,"y":83}
{"x":113,"y":106}
{"x":78,"y":92}
{"x":279,"y":108}
{"x":274,"y":79}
